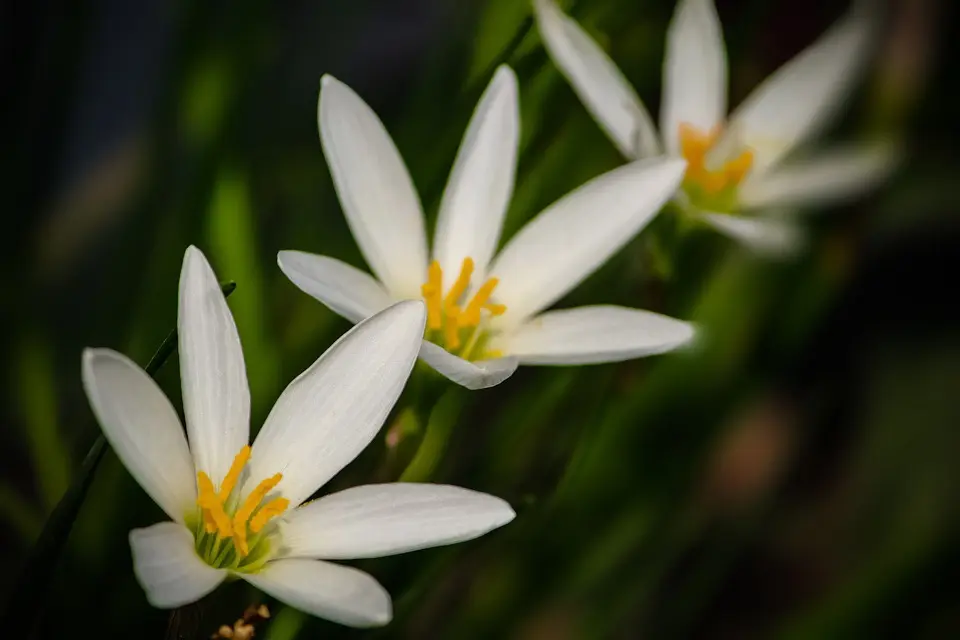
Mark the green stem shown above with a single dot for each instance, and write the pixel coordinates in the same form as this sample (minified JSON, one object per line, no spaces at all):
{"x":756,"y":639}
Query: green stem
{"x":442,"y":416}
{"x":34,"y":580}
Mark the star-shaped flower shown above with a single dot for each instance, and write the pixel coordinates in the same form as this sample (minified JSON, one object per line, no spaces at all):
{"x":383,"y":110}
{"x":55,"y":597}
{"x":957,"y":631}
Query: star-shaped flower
{"x":742,"y":165}
{"x":483,"y":311}
{"x":240,"y":511}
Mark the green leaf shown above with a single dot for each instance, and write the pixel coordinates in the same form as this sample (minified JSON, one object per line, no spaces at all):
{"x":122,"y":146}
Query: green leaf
{"x":36,"y":575}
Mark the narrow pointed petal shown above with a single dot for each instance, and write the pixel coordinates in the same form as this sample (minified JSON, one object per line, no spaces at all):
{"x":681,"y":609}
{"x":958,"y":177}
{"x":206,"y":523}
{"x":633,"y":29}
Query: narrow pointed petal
{"x":386,"y":519}
{"x":481,"y":374}
{"x":804,"y":95}
{"x":694,"y":72}
{"x":828,"y":178}
{"x":375,"y":190}
{"x":589,"y":335}
{"x":767,"y":236}
{"x":216,"y":398}
{"x":168,"y":568}
{"x":326,"y":590}
{"x":598,"y":82}
{"x":142,"y":428}
{"x":334,"y":409}
{"x":574,"y":236}
{"x":481,"y":182}
{"x":345,"y":290}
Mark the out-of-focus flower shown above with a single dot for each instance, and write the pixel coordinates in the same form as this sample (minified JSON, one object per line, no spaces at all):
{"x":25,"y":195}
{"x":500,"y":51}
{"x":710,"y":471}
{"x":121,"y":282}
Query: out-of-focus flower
{"x":737,"y":167}
{"x":483,"y":312}
{"x":238,"y":511}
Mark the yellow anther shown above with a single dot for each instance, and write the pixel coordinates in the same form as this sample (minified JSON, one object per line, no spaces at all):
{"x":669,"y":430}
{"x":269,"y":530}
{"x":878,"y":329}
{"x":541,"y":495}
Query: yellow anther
{"x":212,"y":507}
{"x":246,"y":510}
{"x":451,"y":328}
{"x":471,"y":316}
{"x":694,"y":146}
{"x":495,"y":309}
{"x":270,"y":510}
{"x":460,"y":286}
{"x":738,"y":168}
{"x":230,"y":481}
{"x":433,"y":295}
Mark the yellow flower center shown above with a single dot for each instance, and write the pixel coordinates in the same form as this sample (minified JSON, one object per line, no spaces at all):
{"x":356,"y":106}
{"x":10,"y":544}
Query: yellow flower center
{"x":229,"y":532}
{"x":711,"y":186}
{"x":460,"y":329}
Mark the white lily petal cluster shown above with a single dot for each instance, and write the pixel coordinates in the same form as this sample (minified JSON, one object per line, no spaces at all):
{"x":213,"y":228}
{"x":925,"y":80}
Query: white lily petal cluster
{"x":239,"y":511}
{"x":742,"y":177}
{"x":485,"y":309}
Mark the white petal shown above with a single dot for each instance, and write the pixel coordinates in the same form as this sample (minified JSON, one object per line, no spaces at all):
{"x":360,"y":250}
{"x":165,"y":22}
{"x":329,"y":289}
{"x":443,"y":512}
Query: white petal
{"x":587,"y":335}
{"x":766,"y":236}
{"x":168,"y":568}
{"x":694,"y":72}
{"x":335,"y":408}
{"x":578,"y":233}
{"x":346,"y":290}
{"x":802,"y":97}
{"x":385,"y":519}
{"x":341,"y":594}
{"x":142,"y":427}
{"x":481,"y":183}
{"x":598,"y":82}
{"x":216,"y":398}
{"x":375,"y":190}
{"x":480,"y":374}
{"x":827,"y":178}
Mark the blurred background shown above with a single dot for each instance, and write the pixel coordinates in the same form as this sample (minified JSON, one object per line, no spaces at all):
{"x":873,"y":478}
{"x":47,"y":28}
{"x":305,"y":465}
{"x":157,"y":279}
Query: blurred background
{"x":796,"y":477}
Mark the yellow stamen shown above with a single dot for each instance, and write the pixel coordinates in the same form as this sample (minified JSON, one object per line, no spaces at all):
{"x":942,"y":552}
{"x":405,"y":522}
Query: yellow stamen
{"x":270,"y":510}
{"x":463,"y":281}
{"x":230,"y":481}
{"x":738,"y":168}
{"x":695,"y":145}
{"x":212,"y":507}
{"x":471,"y":316}
{"x":432,"y":293}
{"x":445,"y":313}
{"x":451,"y":329}
{"x":246,"y":510}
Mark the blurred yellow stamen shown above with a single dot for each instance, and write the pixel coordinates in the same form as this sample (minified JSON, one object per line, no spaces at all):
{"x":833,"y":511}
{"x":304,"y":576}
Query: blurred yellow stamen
{"x":695,"y":145}
{"x":433,"y":295}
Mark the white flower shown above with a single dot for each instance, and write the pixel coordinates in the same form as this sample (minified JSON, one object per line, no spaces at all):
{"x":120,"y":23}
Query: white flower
{"x":238,"y":511}
{"x":735,"y":165}
{"x":482,"y":318}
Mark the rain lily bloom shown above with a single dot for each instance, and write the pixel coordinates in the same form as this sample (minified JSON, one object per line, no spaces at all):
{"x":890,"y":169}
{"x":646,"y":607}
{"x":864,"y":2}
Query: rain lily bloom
{"x":483,"y":312}
{"x":239,"y":511}
{"x":740,"y":166}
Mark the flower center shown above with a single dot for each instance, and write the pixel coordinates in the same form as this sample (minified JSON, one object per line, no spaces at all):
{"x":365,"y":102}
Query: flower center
{"x":462,"y":330}
{"x":230,"y":533}
{"x":711,"y":184}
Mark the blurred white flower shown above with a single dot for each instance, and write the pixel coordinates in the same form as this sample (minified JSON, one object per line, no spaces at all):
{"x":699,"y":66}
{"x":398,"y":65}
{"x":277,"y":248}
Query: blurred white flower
{"x":238,"y":511}
{"x":482,"y":311}
{"x":736,"y":166}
